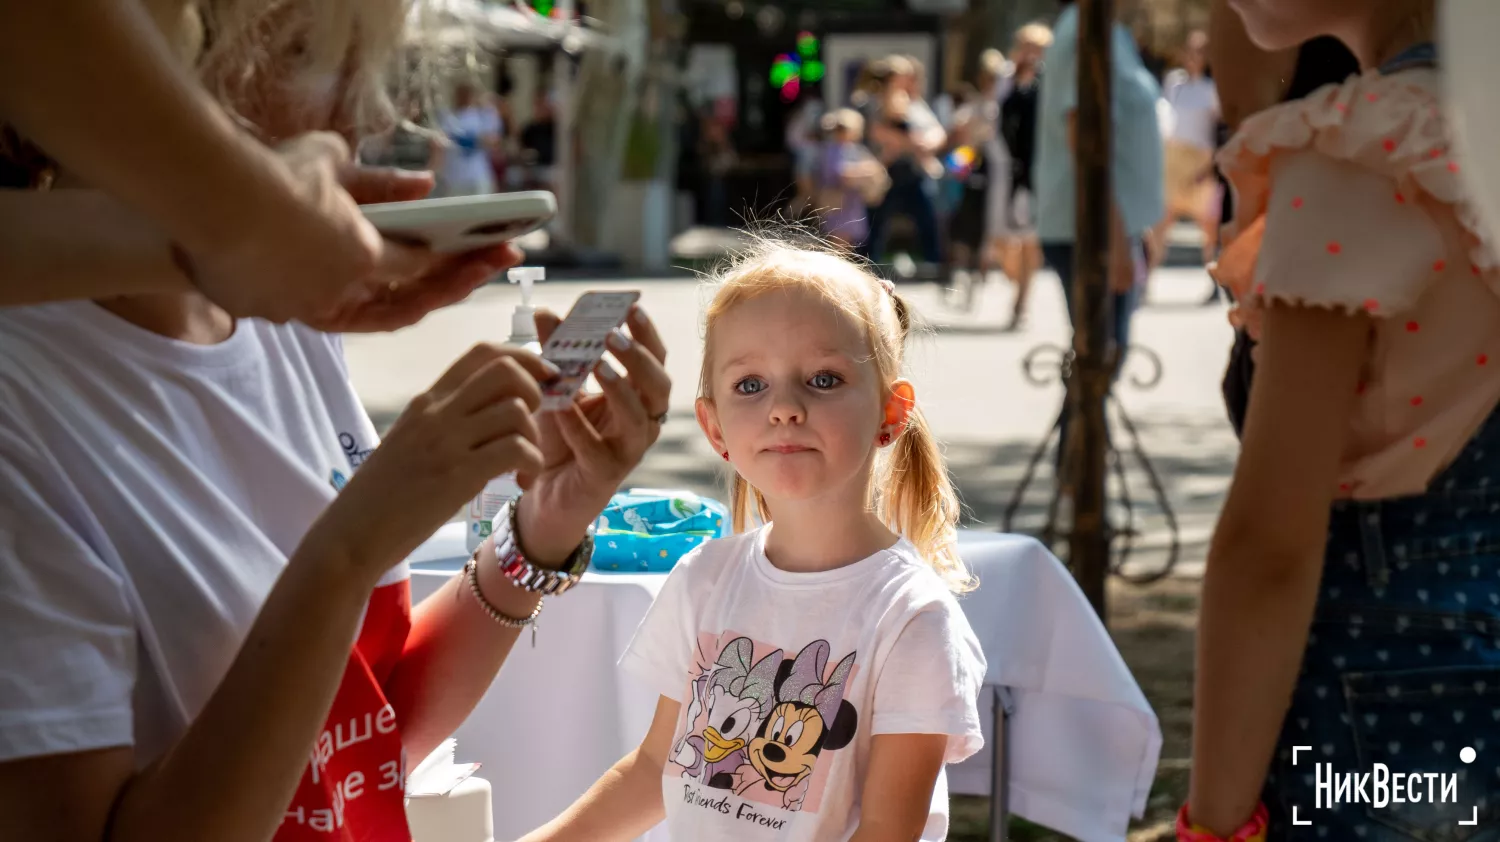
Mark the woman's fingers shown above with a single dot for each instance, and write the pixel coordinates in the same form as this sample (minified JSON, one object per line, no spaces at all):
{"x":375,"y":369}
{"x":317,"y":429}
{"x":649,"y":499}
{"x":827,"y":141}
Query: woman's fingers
{"x":506,"y":454}
{"x":634,"y":428}
{"x":644,"y":331}
{"x":498,"y":420}
{"x":546,"y":321}
{"x":510,"y":374}
{"x":645,"y":370}
{"x":582,"y":438}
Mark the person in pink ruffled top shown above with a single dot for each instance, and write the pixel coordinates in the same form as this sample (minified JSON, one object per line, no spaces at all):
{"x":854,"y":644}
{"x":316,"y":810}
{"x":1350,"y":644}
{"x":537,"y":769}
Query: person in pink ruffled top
{"x":1352,"y":593}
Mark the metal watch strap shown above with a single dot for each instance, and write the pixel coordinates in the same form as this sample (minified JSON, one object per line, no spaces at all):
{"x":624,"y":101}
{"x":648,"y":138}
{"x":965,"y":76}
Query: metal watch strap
{"x":530,"y":577}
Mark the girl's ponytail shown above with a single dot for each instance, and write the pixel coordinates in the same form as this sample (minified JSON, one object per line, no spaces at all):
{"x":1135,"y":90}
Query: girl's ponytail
{"x":917,"y":499}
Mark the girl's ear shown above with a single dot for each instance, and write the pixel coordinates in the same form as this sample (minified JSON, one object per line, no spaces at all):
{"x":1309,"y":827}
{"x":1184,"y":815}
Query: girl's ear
{"x":899,"y":405}
{"x":708,"y":421}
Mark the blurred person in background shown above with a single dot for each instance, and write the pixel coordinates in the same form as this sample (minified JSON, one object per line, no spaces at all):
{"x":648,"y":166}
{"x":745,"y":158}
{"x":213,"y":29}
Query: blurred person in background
{"x":410,"y":145}
{"x":908,"y":138}
{"x":716,"y":159}
{"x":977,"y":164}
{"x":1191,"y":188}
{"x":846,"y":177}
{"x":804,"y":137}
{"x":539,"y":143}
{"x":1135,"y":170}
{"x":474,"y":127}
{"x":1012,"y":209}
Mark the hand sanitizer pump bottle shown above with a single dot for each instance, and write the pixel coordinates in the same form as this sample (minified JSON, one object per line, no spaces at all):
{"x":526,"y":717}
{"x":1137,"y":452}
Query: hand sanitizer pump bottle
{"x":502,"y":489}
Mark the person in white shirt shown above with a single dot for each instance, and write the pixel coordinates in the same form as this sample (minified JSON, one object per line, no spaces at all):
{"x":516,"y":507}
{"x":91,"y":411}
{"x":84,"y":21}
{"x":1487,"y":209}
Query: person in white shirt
{"x":816,"y":672}
{"x":475,"y":128}
{"x":207,"y":622}
{"x":1190,"y":139}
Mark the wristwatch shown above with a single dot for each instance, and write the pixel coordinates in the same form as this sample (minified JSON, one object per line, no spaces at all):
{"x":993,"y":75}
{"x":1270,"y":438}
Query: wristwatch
{"x":530,"y":577}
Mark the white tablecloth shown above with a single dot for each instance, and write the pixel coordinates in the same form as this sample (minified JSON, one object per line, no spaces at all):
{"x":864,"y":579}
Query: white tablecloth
{"x":558,"y":716}
{"x":1084,"y":741}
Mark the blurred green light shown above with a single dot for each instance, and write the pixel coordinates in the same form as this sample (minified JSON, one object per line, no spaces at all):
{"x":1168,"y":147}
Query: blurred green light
{"x":807,"y":45}
{"x":813,"y":71}
{"x":782,"y":72}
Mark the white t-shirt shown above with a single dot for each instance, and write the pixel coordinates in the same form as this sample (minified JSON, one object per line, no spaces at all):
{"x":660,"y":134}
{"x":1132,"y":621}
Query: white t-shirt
{"x":784,"y":679}
{"x":150,"y":493}
{"x":1195,"y":105}
{"x":469,"y":165}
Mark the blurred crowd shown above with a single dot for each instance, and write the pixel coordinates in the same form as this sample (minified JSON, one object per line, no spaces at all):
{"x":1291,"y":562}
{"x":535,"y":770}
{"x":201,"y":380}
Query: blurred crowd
{"x":473,"y":144}
{"x":958,"y":176}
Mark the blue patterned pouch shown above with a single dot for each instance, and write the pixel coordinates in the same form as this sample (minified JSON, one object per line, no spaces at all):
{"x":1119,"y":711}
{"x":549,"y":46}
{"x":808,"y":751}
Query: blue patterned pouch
{"x":646,"y":530}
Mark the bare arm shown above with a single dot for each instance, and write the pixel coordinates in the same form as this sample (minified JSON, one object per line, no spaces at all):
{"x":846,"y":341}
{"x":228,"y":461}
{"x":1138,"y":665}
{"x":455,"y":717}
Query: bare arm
{"x":232,"y":773}
{"x":897,"y":794}
{"x":58,"y":245}
{"x":454,"y":640}
{"x":170,"y":151}
{"x":236,"y":768}
{"x":627,"y":800}
{"x":1266,"y":558}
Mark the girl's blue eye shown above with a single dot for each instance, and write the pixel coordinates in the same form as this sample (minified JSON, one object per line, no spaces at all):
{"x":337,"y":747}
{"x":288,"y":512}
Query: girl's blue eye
{"x":825,"y":380}
{"x":744,"y":387}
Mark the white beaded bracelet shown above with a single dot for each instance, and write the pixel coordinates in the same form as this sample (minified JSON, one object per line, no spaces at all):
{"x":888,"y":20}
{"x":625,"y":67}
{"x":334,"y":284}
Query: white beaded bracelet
{"x":471,"y":572}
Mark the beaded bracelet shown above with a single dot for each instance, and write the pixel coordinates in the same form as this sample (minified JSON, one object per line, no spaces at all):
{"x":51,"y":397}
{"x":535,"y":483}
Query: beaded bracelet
{"x":471,"y":572}
{"x":1251,"y":831}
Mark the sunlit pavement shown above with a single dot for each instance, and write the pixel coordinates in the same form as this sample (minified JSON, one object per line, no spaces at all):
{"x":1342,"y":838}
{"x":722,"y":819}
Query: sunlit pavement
{"x":969,"y":379}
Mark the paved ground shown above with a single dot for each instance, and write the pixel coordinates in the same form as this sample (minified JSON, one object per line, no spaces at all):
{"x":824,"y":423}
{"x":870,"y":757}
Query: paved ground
{"x":969,"y":379}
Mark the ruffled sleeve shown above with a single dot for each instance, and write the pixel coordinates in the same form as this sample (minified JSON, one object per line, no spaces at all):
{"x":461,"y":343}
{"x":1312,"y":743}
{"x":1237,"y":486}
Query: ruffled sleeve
{"x":1337,"y":199}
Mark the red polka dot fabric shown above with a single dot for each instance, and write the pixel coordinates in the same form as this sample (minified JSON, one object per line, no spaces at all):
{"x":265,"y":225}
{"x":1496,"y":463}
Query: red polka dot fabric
{"x":1352,"y":200}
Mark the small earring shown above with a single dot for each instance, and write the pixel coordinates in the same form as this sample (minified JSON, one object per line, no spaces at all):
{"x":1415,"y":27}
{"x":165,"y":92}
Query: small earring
{"x":885,"y":439}
{"x":725,"y":454}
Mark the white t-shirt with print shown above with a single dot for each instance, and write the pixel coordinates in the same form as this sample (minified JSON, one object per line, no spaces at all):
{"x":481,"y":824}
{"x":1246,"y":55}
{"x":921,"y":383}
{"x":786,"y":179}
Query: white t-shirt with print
{"x":150,"y":493}
{"x":784,"y":679}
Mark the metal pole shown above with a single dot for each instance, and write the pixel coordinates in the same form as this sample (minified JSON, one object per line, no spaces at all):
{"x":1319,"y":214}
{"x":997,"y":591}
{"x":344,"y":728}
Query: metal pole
{"x":565,"y":119}
{"x":1094,"y":361}
{"x":1004,"y":706}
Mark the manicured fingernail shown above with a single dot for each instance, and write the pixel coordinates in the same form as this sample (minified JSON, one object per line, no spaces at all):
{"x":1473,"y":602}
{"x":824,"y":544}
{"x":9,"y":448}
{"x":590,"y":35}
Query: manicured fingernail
{"x":607,"y":372}
{"x":551,"y":368}
{"x":618,"y":341}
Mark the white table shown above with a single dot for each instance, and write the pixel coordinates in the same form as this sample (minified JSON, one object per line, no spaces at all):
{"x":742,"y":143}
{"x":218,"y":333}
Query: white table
{"x":558,"y":716}
{"x":1083,"y":742}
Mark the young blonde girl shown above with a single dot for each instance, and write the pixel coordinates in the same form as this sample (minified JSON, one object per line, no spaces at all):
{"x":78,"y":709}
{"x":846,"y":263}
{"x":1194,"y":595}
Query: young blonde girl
{"x":1350,"y":605}
{"x":815,"y":671}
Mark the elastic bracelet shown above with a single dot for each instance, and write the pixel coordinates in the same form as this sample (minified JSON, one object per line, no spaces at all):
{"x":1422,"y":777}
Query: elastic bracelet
{"x":471,"y":572}
{"x":1251,"y":831}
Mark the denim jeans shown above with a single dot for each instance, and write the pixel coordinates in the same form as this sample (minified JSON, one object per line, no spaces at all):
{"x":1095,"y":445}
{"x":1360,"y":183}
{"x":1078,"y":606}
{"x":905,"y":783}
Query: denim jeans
{"x":1059,"y":256}
{"x":1402,"y":665}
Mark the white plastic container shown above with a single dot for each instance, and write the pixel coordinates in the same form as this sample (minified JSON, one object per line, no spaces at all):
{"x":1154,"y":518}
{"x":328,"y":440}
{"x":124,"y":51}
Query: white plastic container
{"x":502,"y":489}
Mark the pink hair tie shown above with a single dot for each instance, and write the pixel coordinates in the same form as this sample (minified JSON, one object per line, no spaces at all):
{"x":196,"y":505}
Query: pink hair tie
{"x":887,"y":285}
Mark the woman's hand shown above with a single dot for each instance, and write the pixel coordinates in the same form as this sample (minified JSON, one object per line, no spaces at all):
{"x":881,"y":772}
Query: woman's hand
{"x":473,"y":425}
{"x":591,"y":447}
{"x":448,"y":280}
{"x":321,"y":262}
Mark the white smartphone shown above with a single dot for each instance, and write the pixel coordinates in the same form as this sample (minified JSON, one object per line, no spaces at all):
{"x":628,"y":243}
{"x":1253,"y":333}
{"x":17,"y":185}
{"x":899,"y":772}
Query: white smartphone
{"x":577,"y":345}
{"x":463,"y":223}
